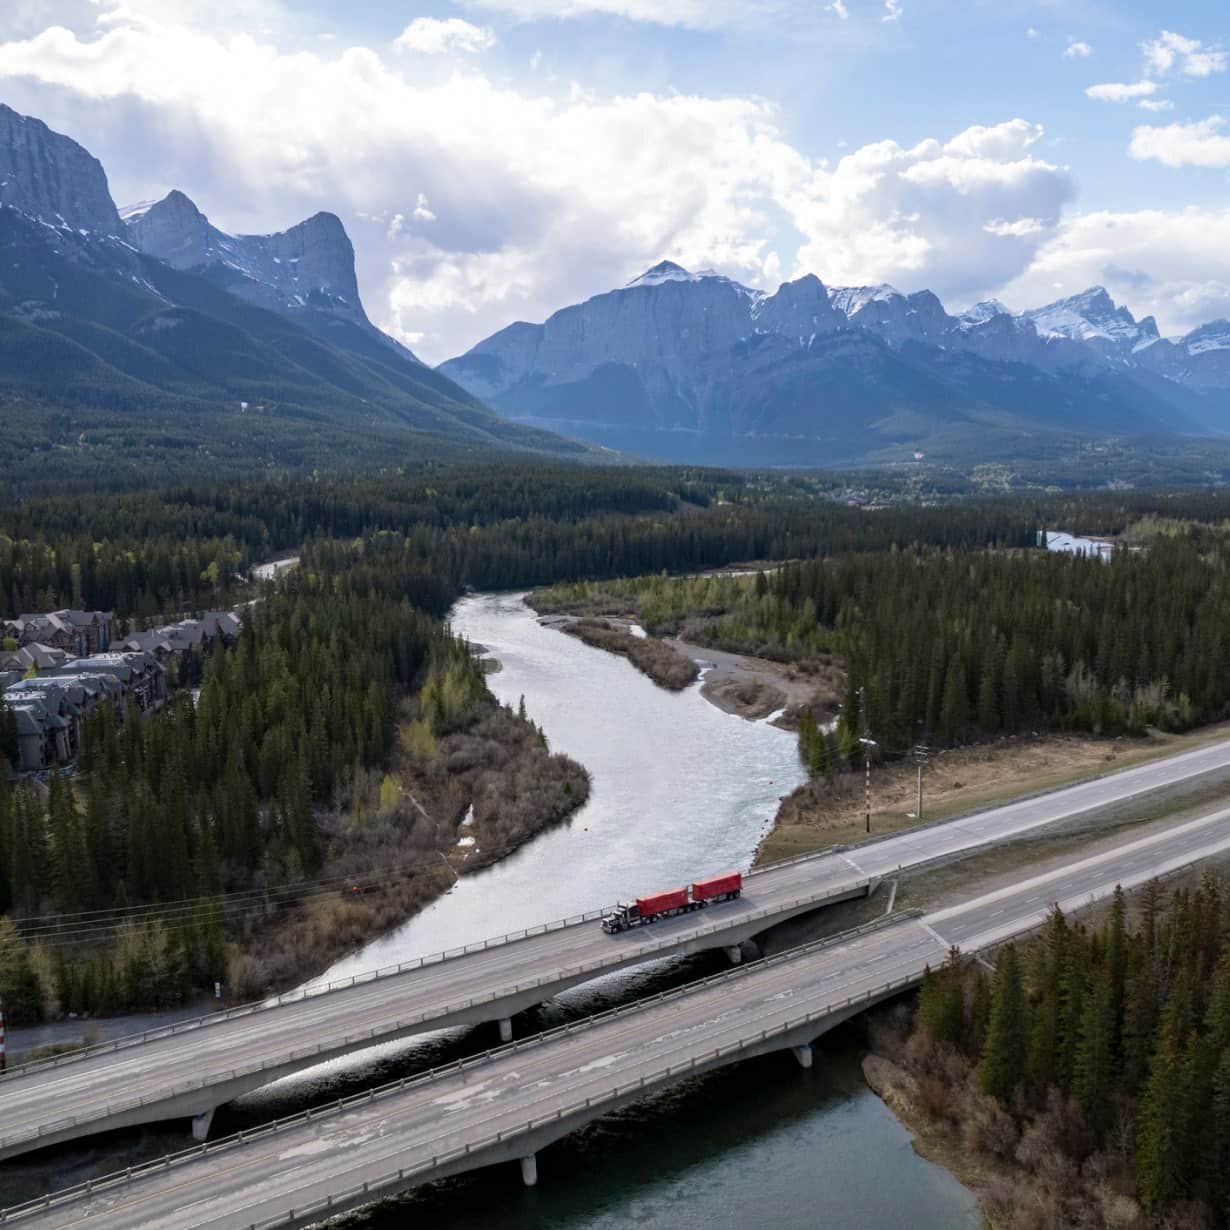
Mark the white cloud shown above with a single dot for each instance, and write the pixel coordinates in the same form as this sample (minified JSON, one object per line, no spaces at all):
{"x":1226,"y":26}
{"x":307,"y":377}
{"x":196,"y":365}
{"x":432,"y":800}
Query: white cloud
{"x":1018,"y":228}
{"x":1119,"y":92}
{"x":960,"y":217}
{"x":1078,"y":51}
{"x":1201,"y":144}
{"x":838,"y":7}
{"x":1172,"y":264}
{"x":1031,"y":33}
{"x":422,"y":211}
{"x":1155,"y":104}
{"x":1189,"y":55}
{"x":436,"y":36}
{"x":693,"y":14}
{"x":892,"y":10}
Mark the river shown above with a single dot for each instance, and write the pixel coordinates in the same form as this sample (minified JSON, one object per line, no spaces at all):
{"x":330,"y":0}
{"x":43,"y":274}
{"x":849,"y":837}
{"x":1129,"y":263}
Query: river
{"x":680,"y":789}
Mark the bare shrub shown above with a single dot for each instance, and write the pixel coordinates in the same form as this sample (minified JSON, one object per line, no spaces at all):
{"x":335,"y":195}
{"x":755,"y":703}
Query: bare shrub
{"x":987,"y":1128}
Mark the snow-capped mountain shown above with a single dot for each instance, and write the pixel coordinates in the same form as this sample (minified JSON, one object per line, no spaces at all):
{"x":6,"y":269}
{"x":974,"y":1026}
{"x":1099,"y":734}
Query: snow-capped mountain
{"x":1198,"y":360}
{"x":306,"y":272}
{"x":1092,"y":317}
{"x":695,"y":366}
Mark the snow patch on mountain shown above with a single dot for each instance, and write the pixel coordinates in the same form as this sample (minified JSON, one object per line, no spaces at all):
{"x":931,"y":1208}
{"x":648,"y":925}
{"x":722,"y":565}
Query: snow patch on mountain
{"x":1091,"y":316}
{"x":851,"y":299}
{"x":980,"y":313}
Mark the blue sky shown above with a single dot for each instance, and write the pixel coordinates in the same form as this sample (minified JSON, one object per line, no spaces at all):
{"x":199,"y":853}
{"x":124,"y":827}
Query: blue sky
{"x":495,"y":159}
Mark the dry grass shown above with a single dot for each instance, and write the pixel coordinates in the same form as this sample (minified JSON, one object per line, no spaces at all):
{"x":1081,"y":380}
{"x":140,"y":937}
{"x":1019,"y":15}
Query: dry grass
{"x":954,"y":782}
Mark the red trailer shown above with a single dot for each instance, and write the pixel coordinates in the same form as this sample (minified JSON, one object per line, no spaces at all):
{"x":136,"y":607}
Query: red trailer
{"x":718,"y":888}
{"x":660,"y":903}
{"x":677,"y":901}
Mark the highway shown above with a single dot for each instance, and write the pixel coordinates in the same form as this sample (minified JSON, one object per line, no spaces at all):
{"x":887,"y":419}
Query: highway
{"x":515,"y":1100}
{"x":190,"y":1069}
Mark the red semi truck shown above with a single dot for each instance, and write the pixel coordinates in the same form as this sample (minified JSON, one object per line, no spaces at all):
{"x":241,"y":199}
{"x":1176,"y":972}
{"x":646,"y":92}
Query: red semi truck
{"x":675,"y":901}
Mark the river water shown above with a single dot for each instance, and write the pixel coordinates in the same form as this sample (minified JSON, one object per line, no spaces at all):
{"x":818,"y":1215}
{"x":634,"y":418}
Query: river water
{"x":680,"y":790}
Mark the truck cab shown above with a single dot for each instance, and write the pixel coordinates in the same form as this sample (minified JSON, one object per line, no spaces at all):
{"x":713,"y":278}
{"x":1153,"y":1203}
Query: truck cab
{"x":623,"y":917}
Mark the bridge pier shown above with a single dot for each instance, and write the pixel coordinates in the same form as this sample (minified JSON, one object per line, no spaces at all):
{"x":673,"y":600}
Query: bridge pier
{"x":803,"y":1055}
{"x":505,"y":1024}
{"x":735,"y":954}
{"x":529,"y":1170}
{"x":201,"y":1124}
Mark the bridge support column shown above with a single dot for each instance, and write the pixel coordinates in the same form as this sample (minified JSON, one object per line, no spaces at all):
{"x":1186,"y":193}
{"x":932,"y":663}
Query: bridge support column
{"x":201,"y":1125}
{"x":505,"y":1029}
{"x":735,"y":954}
{"x":803,"y":1055}
{"x":529,"y":1170}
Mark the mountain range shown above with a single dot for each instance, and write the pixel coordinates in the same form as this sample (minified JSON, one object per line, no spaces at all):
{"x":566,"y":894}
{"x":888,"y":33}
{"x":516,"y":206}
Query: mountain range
{"x":154,"y":344}
{"x":148,"y":343}
{"x":694,"y":366}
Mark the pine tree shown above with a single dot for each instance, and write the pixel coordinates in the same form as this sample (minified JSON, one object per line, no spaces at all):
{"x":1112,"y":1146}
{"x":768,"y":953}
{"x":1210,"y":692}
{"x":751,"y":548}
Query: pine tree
{"x":1002,"y":1067}
{"x":1163,"y":1156}
{"x":954,"y":709}
{"x":1093,"y":1080}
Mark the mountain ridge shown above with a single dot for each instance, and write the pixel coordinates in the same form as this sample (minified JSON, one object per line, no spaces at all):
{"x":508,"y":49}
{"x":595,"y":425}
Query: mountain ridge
{"x":116,"y":360}
{"x":696,"y":353}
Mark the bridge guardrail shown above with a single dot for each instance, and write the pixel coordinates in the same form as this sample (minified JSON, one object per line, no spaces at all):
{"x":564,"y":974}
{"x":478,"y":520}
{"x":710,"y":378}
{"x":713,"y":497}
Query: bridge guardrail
{"x":404,"y":1175}
{"x":400,"y":1025}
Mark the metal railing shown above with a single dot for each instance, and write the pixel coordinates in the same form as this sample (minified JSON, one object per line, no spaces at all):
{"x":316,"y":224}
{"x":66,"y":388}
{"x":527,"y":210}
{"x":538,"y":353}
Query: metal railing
{"x":304,"y":1057}
{"x":590,"y":1106}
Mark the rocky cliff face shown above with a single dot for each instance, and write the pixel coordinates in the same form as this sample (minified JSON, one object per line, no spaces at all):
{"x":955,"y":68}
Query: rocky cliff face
{"x":306,"y":273}
{"x":309,"y":265}
{"x":51,"y":177}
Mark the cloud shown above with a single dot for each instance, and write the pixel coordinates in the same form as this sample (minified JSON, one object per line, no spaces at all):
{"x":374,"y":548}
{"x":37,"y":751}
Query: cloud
{"x":1078,"y":51}
{"x":422,"y":211}
{"x":1172,"y":264}
{"x":1189,"y":55}
{"x":1155,"y":104}
{"x":1201,"y":144}
{"x":959,"y":217}
{"x":892,"y":10}
{"x":1118,"y":92}
{"x":838,"y":7}
{"x":692,"y":14}
{"x":435,"y":36}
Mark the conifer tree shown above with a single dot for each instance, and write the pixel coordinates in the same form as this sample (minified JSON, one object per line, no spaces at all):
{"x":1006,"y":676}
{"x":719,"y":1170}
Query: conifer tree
{"x":1002,"y":1067}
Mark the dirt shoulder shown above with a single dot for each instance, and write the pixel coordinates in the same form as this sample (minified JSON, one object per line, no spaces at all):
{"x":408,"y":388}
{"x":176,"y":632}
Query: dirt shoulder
{"x":960,"y":780}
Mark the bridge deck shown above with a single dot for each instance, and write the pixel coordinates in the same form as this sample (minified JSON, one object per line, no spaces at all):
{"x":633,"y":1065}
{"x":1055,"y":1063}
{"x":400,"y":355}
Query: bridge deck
{"x":521,"y":1097}
{"x":195,"y":1066}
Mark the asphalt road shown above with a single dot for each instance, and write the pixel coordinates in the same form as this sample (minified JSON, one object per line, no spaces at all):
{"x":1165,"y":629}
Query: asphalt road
{"x":579,"y":1071}
{"x":88,"y":1089}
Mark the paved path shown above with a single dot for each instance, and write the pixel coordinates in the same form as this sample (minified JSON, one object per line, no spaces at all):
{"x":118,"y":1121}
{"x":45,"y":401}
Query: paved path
{"x":190,"y":1069}
{"x":519,"y":1098}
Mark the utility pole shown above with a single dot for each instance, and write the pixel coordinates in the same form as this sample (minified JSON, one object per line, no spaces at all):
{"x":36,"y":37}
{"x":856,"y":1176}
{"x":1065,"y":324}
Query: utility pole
{"x":868,"y":743}
{"x":921,"y":751}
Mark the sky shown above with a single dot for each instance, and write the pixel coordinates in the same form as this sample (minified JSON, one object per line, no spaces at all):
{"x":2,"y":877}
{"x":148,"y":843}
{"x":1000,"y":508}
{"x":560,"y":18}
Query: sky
{"x":494,"y":160}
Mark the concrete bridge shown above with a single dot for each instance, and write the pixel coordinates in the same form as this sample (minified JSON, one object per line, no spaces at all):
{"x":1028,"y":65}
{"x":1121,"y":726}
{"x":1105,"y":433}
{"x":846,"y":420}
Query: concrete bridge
{"x":189,"y":1069}
{"x":512,"y":1102}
